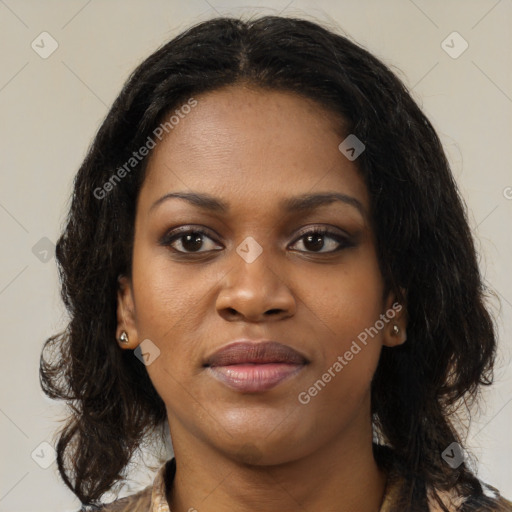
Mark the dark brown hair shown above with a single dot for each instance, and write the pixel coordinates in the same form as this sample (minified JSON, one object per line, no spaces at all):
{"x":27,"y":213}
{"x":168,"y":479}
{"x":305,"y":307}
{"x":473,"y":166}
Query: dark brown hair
{"x":423,"y":240}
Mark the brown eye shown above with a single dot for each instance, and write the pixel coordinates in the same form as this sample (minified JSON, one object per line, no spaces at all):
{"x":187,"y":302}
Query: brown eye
{"x":189,"y":241}
{"x":322,"y":241}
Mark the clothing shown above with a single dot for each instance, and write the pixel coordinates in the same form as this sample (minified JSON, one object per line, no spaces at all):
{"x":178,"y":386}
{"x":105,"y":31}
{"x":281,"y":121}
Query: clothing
{"x":153,"y":497}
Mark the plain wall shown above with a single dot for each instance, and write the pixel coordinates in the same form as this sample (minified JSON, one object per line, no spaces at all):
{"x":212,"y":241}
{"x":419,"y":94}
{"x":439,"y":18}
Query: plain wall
{"x":52,"y":107}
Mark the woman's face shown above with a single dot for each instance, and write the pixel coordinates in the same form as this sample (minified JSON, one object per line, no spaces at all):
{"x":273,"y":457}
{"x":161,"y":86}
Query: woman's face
{"x":258,"y":163}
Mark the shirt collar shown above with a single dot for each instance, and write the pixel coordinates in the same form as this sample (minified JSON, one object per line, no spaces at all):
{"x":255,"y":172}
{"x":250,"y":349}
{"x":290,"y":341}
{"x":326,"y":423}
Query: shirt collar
{"x":168,"y":470}
{"x":158,"y":496}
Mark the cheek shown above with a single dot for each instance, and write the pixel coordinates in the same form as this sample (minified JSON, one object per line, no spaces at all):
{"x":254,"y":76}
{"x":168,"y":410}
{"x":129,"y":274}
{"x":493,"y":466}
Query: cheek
{"x":348,"y":306}
{"x":164,"y":294}
{"x":346,"y":302}
{"x":167,"y":313}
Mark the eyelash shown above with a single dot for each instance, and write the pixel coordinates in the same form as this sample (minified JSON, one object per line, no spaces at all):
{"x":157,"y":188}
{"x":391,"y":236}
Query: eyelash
{"x":177,"y":234}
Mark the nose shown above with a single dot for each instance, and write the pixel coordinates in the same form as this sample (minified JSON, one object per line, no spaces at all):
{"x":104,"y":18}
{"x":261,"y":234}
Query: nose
{"x":255,"y":292}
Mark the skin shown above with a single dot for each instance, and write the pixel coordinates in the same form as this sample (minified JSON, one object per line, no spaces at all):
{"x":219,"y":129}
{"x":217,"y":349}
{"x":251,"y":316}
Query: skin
{"x":266,"y":451}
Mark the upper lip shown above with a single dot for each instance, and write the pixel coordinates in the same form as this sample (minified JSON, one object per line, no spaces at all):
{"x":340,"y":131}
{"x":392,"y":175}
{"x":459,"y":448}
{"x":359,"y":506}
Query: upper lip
{"x":256,"y":352}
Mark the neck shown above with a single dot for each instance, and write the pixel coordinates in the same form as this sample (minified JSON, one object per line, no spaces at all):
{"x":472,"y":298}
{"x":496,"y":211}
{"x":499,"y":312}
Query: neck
{"x":341,"y":476}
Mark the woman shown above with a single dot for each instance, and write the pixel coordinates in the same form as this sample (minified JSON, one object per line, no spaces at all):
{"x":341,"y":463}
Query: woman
{"x":266,"y":251}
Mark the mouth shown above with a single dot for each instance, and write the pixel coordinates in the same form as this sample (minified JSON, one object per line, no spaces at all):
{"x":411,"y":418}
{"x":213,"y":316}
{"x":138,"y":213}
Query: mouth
{"x":250,"y":367}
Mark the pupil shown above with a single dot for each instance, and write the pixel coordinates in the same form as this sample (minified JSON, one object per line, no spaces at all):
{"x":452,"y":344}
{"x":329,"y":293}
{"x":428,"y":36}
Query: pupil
{"x":315,"y":241}
{"x":192,"y":241}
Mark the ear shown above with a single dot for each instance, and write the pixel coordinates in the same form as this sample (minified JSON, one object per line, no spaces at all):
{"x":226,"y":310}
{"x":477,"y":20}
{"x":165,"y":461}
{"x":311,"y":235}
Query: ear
{"x":395,"y":331}
{"x":126,"y":313}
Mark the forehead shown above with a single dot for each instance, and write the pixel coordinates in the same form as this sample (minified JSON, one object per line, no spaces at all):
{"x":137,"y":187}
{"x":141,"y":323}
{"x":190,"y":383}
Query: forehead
{"x":252,"y":145}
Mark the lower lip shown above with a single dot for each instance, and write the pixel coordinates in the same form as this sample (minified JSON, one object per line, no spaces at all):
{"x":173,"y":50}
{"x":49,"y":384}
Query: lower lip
{"x":254,"y":378}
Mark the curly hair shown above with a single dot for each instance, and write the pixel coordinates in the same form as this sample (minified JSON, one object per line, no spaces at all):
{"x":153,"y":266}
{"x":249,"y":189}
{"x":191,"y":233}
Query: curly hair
{"x":424,"y":245}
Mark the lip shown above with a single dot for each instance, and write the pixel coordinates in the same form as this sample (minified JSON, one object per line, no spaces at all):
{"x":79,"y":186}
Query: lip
{"x":252,"y":367}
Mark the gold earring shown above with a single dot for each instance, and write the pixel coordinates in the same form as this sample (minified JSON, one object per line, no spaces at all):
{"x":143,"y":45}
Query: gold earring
{"x":123,"y":338}
{"x":395,"y":331}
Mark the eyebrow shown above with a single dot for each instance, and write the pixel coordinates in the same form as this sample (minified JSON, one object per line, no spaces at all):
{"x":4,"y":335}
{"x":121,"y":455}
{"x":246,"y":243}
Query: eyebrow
{"x":297,"y":204}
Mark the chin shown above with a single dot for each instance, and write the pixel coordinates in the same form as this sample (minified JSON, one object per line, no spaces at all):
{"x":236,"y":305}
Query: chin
{"x":270,"y":447}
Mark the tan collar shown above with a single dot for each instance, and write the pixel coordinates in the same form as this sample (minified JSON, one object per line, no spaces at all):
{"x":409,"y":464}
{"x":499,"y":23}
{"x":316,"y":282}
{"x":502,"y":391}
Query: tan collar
{"x":168,"y":470}
{"x":153,"y":498}
{"x":158,"y":496}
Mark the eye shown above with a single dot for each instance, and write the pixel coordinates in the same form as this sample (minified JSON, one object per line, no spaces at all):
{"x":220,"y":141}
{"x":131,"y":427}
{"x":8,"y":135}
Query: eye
{"x":321,"y":240}
{"x":188,"y":241}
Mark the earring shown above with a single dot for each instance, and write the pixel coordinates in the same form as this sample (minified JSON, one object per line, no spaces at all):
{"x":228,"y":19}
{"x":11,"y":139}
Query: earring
{"x":395,"y":331}
{"x":123,"y":338}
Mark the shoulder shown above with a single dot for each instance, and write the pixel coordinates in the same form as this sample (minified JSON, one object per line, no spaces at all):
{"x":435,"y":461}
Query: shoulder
{"x":490,"y":501}
{"x":152,"y":498}
{"x":139,"y":502}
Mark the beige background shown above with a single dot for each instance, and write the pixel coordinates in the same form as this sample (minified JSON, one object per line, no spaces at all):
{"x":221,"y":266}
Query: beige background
{"x":51,"y":108}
